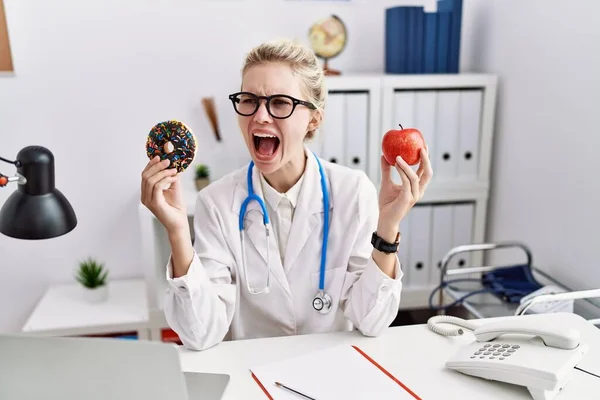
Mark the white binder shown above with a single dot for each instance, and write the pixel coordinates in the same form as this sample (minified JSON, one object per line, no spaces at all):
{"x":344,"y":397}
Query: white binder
{"x":403,"y":249}
{"x":441,"y":239}
{"x":425,"y":112}
{"x":404,"y":109}
{"x":357,"y":128}
{"x":446,"y":135}
{"x":419,"y":246}
{"x":468,"y":146}
{"x":334,"y":130}
{"x":462,"y":223}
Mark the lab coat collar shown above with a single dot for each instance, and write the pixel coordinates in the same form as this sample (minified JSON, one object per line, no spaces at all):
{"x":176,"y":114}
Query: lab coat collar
{"x":273,"y":197}
{"x":310,"y":196}
{"x":308,"y":214}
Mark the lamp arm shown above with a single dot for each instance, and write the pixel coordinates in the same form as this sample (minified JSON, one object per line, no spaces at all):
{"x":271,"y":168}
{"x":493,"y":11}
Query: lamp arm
{"x":4,"y":180}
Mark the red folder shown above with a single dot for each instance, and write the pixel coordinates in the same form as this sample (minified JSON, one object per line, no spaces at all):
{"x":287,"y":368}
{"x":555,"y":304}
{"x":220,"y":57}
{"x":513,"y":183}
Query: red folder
{"x":366,"y":356}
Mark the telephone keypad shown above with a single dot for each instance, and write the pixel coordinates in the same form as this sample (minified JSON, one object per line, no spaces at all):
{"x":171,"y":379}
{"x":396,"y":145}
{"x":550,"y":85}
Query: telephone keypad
{"x":496,"y":351}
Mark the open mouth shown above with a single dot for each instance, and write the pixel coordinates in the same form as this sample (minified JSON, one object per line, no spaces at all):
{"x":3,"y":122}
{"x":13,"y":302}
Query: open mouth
{"x":265,"y":144}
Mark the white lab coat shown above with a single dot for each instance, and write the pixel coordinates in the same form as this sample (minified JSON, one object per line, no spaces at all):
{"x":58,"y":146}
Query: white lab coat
{"x":211,"y":302}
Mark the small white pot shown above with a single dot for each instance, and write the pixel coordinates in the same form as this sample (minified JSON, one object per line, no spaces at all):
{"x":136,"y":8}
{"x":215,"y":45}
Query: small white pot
{"x":96,"y":295}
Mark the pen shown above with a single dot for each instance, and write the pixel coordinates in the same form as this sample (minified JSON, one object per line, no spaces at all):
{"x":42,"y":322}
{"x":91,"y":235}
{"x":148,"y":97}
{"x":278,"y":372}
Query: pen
{"x":294,"y":391}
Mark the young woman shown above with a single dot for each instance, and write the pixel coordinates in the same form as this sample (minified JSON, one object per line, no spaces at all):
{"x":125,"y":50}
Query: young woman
{"x":290,"y":244}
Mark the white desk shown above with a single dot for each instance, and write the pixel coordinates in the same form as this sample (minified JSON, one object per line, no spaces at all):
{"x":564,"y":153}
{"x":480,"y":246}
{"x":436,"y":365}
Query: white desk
{"x":63,"y":312}
{"x":413,"y":353}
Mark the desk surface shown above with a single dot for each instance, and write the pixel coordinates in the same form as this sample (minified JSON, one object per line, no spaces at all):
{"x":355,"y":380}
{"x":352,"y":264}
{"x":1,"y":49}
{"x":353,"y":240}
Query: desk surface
{"x":413,"y":353}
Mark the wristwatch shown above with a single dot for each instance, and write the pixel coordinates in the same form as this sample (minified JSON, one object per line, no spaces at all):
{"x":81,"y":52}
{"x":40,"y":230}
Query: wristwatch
{"x":383,"y":246}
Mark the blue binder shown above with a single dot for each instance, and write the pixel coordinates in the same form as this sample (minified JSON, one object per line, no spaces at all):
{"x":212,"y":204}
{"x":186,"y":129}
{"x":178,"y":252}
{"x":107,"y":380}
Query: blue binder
{"x":396,"y":40}
{"x":430,"y":40}
{"x":443,"y":35}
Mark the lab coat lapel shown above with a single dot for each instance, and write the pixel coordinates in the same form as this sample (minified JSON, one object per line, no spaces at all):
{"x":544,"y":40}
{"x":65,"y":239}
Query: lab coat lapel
{"x":256,"y":239}
{"x":308,"y":214}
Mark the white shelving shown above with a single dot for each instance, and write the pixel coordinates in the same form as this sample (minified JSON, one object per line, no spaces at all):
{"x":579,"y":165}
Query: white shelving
{"x":62,"y":311}
{"x":456,"y":115}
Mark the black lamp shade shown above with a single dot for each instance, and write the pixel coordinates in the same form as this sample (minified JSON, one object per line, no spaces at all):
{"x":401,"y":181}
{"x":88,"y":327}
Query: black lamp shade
{"x":36,"y":210}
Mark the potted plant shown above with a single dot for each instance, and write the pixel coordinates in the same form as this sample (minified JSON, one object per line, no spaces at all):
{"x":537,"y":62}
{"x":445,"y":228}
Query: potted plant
{"x":92,"y":276}
{"x":202,"y":176}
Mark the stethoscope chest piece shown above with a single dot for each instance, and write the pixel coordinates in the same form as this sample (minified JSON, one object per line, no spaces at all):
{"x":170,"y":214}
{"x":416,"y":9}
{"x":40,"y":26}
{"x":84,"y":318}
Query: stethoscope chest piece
{"x":322,"y":302}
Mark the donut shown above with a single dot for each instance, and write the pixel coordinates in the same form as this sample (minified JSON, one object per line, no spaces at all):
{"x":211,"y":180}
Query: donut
{"x":173,"y":140}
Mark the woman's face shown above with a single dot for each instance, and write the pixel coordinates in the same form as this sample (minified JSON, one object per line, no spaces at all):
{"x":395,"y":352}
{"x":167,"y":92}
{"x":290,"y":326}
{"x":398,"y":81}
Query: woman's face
{"x":273,"y":142}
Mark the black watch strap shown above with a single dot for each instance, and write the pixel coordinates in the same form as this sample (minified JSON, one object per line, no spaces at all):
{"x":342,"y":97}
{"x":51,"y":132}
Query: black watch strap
{"x":384,"y":246}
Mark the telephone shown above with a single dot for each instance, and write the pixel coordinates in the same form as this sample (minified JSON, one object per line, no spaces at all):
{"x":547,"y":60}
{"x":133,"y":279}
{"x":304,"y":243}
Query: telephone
{"x":534,"y":351}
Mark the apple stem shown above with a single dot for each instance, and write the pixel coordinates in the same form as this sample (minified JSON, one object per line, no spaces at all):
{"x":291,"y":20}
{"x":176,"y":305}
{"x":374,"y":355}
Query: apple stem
{"x":400,"y":126}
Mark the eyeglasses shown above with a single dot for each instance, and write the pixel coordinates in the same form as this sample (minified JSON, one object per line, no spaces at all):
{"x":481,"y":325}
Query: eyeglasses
{"x":279,"y":106}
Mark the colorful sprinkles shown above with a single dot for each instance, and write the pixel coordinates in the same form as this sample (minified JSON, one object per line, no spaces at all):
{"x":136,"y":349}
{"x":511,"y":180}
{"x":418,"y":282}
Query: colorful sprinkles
{"x":182,"y":139}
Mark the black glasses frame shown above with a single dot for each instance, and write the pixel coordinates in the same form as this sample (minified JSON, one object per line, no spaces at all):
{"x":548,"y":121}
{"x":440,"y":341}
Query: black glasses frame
{"x":234,"y":99}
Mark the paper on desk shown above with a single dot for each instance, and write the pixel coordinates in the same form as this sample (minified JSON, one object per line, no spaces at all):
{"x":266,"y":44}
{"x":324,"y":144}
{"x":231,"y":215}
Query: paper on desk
{"x":339,"y":372}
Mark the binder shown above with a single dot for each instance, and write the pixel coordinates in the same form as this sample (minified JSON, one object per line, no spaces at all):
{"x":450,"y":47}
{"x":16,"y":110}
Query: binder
{"x":430,"y":43}
{"x":443,"y":35}
{"x":446,"y":134}
{"x":333,"y":129}
{"x":455,"y":33}
{"x":357,"y":127}
{"x":396,"y":21}
{"x":441,"y":239}
{"x":425,"y":111}
{"x":417,"y":54}
{"x":468,"y":147}
{"x":338,"y":372}
{"x":462,"y":233}
{"x":419,"y":246}
{"x":403,"y":248}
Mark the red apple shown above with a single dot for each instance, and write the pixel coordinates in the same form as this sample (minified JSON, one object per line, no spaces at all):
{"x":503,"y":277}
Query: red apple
{"x":406,"y":143}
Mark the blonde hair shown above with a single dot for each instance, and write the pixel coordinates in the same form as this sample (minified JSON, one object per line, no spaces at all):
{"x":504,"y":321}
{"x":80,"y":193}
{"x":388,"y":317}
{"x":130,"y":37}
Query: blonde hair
{"x":304,"y":64}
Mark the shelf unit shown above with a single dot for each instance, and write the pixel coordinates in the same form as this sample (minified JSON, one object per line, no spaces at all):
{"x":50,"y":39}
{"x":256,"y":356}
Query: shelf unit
{"x":63,"y":311}
{"x":456,"y":115}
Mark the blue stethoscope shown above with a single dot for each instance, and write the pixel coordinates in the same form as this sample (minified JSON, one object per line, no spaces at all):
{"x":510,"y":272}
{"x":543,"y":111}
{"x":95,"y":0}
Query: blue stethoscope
{"x":322,"y":300}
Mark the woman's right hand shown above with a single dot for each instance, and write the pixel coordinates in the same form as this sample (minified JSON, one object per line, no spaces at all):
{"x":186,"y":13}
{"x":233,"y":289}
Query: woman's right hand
{"x":162,"y":194}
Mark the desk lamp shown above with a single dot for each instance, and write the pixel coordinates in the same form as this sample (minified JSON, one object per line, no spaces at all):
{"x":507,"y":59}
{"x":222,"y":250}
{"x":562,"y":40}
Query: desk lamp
{"x":36,"y":210}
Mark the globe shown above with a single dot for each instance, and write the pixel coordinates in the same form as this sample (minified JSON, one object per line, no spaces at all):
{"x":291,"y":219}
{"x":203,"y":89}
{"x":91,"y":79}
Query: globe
{"x":328,"y":39}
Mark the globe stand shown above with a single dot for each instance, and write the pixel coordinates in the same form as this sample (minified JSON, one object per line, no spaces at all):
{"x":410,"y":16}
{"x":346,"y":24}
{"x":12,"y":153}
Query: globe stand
{"x":328,"y":71}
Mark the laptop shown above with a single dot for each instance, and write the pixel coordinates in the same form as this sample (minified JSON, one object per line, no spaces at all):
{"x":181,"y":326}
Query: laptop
{"x":63,"y":368}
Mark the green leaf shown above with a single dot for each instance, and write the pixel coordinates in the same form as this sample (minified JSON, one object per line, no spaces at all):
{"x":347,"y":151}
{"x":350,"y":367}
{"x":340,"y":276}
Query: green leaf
{"x":91,"y":273}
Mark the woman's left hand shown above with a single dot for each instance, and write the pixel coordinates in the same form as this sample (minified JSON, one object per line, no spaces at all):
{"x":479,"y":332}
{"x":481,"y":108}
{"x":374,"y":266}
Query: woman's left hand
{"x":396,"y":200}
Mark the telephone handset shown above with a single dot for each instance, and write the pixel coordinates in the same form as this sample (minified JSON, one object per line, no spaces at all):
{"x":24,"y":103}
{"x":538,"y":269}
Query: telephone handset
{"x":534,"y":351}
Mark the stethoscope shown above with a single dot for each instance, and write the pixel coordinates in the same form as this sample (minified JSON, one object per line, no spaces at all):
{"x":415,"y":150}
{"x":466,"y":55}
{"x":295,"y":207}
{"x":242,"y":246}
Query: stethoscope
{"x":322,"y":300}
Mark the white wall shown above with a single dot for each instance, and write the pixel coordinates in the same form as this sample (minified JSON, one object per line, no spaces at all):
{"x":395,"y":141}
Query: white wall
{"x":545,"y":186}
{"x":93,"y":77}
{"x":111,"y":69}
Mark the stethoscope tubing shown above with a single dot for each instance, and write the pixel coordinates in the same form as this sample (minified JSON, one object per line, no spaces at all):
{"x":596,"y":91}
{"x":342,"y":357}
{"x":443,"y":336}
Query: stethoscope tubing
{"x":252,"y":196}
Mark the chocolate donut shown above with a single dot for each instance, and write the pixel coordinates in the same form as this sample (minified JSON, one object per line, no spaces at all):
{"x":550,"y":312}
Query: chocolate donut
{"x":172,"y":140}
